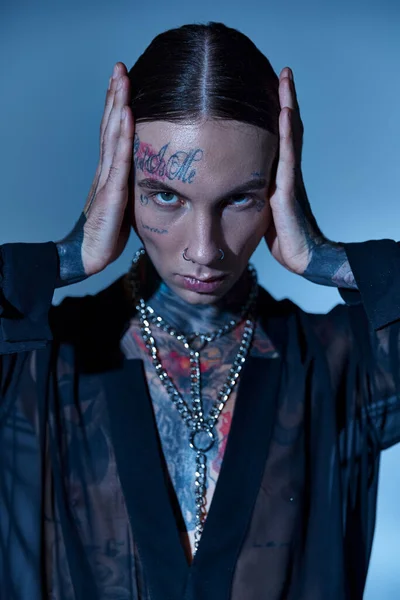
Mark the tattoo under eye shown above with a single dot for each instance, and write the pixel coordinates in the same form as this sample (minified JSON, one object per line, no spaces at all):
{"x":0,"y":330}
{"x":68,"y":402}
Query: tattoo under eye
{"x":143,"y":200}
{"x":260,"y":203}
{"x":154,"y":229}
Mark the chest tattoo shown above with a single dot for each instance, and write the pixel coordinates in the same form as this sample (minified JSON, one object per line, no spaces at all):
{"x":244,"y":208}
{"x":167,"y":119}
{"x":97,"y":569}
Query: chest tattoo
{"x":179,"y":459}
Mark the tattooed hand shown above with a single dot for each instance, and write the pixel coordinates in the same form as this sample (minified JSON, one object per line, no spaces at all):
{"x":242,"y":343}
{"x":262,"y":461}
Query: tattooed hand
{"x":102,"y":231}
{"x":294,"y":238}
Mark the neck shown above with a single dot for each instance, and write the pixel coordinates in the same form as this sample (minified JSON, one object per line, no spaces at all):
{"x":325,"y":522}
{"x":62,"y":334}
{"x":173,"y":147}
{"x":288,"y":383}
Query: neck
{"x":187,"y":318}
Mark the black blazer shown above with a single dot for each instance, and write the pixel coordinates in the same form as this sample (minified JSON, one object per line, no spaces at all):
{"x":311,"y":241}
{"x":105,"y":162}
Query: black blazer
{"x":85,"y":512}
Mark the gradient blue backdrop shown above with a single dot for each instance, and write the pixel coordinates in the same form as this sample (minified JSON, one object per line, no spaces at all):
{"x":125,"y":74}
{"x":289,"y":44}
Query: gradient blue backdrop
{"x":55,"y":60}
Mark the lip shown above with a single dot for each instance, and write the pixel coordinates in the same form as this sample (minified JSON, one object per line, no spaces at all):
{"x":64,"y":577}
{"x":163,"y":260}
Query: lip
{"x":205,"y":285}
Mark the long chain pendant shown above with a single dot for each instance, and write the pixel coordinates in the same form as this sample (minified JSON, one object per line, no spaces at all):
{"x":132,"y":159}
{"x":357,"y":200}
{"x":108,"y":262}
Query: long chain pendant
{"x":200,"y":495}
{"x":195,"y":387}
{"x":201,"y":440}
{"x":202,"y":434}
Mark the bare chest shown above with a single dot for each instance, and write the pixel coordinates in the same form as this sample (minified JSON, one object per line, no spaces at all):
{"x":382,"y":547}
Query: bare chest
{"x":179,"y":457}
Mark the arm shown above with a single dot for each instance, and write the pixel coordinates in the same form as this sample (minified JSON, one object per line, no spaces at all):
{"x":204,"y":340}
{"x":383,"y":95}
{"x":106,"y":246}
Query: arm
{"x":27,"y":279}
{"x":374,"y":315}
{"x":330,"y":266}
{"x":367,"y":274}
{"x":29,"y":273}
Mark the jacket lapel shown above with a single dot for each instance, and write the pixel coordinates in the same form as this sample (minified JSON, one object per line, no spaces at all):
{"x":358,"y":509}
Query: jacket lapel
{"x":139,"y":460}
{"x":138,"y":456}
{"x":239,"y":481}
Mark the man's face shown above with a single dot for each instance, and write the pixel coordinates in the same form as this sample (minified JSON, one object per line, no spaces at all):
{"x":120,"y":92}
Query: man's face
{"x":201,"y":186}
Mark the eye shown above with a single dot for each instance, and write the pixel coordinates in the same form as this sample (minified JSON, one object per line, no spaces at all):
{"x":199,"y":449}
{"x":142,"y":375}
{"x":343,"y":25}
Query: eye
{"x":165,"y":198}
{"x":240,"y":201}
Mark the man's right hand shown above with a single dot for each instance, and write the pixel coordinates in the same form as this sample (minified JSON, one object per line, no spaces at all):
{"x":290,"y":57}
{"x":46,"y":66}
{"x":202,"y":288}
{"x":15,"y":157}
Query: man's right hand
{"x":102,"y":231}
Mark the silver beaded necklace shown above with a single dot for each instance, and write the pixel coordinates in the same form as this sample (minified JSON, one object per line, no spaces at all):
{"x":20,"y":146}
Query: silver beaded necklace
{"x":202,"y":434}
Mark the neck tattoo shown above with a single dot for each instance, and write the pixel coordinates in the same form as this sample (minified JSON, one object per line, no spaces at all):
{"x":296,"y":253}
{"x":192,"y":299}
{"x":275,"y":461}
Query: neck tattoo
{"x":201,"y":434}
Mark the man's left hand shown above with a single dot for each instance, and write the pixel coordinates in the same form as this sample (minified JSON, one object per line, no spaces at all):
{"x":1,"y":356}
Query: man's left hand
{"x":293,"y":234}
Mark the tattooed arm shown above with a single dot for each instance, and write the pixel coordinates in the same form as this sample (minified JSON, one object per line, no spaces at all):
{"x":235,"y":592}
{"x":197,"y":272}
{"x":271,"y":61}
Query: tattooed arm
{"x":327,"y":263}
{"x":294,"y":237}
{"x":71,"y":269}
{"x":368,"y":275}
{"x":329,"y":266}
{"x":102,"y":231}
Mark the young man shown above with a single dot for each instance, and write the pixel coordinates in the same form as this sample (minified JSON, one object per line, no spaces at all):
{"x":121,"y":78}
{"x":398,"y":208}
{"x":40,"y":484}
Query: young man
{"x":133,"y":465}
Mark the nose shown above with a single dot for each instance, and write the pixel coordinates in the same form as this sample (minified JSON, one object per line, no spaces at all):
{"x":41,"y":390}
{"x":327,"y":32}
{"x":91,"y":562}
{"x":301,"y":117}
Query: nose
{"x":204,"y":241}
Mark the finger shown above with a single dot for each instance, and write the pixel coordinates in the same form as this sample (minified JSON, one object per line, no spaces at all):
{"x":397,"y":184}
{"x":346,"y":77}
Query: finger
{"x":288,"y":98}
{"x":107,"y":107}
{"x":118,"y":72}
{"x":118,"y":176}
{"x":293,"y":91}
{"x":286,"y":171}
{"x":113,"y":129}
{"x":286,"y":73}
{"x":112,"y":83}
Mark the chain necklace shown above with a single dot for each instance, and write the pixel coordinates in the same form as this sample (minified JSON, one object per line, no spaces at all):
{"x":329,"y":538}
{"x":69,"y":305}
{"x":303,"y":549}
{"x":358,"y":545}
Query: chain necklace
{"x":202,"y":434}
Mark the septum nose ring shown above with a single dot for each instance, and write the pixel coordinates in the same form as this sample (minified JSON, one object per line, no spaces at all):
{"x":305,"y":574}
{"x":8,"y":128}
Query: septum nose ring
{"x":222,"y":255}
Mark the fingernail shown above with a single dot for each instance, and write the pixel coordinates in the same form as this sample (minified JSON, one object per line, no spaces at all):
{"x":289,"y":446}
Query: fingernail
{"x":115,"y":72}
{"x":109,"y":83}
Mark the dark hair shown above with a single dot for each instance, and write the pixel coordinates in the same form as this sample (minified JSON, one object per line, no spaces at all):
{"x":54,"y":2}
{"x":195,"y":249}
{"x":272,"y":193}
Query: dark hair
{"x":210,"y":70}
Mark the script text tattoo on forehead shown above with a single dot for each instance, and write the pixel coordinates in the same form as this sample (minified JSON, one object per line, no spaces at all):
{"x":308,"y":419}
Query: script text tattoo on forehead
{"x":180,"y":165}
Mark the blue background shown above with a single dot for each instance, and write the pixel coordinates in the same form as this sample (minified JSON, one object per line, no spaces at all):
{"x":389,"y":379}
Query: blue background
{"x":55,"y":61}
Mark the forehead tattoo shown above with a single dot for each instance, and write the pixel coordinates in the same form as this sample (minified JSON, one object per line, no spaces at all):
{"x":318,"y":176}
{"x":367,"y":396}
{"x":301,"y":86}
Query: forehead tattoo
{"x":166,"y":166}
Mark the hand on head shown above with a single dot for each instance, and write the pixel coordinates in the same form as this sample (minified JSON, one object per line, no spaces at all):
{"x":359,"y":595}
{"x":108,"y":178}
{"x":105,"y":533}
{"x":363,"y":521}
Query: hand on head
{"x":107,"y":226}
{"x":107,"y":216}
{"x":293,"y":231}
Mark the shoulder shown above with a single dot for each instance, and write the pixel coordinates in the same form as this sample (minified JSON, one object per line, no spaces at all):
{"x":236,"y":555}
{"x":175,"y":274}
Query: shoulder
{"x":286,"y":321}
{"x":93,"y":324}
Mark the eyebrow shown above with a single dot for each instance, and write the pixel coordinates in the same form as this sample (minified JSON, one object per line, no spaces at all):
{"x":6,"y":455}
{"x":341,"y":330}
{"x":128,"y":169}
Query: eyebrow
{"x":158,"y":185}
